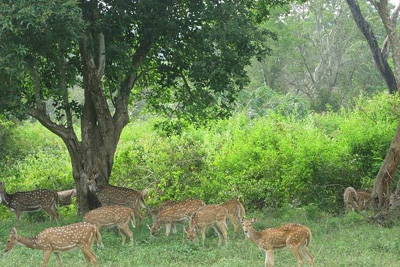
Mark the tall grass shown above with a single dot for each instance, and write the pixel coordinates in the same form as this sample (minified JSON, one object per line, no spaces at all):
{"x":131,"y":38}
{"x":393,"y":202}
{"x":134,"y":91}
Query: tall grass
{"x":346,"y":240}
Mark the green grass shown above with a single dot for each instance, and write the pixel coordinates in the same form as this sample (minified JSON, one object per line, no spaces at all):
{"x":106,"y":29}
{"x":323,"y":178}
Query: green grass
{"x":345,"y":240}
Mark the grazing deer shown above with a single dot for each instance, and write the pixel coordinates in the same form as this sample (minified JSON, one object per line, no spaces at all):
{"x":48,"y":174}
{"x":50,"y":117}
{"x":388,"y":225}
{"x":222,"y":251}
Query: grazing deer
{"x":350,"y":198}
{"x":154,"y":212}
{"x":364,"y":200}
{"x":294,"y":236}
{"x":174,"y":213}
{"x":114,"y":195}
{"x":59,"y":239}
{"x":113,"y":216}
{"x":41,"y":199}
{"x":65,"y":197}
{"x":210,"y":215}
{"x":236,"y":212}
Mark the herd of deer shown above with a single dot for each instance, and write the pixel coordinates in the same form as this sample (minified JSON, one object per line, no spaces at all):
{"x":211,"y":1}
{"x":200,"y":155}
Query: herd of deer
{"x":119,"y":208}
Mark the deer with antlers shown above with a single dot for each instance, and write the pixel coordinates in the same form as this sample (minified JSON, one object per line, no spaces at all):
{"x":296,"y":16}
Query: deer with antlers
{"x":294,"y":236}
{"x":41,"y":199}
{"x":114,"y":195}
{"x":174,"y":212}
{"x":113,"y":216}
{"x":60,"y":239}
{"x":211,"y":215}
{"x":236,"y":212}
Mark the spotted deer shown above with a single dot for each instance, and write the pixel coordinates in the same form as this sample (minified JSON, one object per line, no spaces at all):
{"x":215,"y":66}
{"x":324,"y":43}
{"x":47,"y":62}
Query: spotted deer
{"x":114,"y":195}
{"x":350,"y":198}
{"x":173,"y":213}
{"x":113,"y":216}
{"x":294,"y":236}
{"x":210,"y":215}
{"x":394,"y":201}
{"x":40,"y":199}
{"x":154,"y":212}
{"x":60,"y":239}
{"x":65,"y":197}
{"x":364,"y":200}
{"x":236,"y":212}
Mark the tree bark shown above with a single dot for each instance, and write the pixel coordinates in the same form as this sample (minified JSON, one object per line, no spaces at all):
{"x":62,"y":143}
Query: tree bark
{"x":384,"y":178}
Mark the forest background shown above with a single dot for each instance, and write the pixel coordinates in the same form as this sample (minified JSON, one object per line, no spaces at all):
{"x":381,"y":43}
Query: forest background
{"x":314,"y":119}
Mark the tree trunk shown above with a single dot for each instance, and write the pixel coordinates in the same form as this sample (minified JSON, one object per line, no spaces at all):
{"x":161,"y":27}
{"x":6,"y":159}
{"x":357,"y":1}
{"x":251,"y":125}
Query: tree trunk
{"x":384,"y":178}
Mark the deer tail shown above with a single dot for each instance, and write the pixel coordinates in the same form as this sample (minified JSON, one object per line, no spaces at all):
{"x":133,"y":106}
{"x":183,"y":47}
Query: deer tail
{"x":308,"y":239}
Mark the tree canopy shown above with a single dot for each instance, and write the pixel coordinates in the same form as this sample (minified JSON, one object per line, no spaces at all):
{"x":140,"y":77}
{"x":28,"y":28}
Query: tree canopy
{"x":184,"y":59}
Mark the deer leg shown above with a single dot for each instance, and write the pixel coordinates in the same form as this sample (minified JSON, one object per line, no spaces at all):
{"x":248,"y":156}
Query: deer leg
{"x":269,"y":259}
{"x":58,"y":254}
{"x":203,"y":234}
{"x":234,"y":223}
{"x":138,"y":213}
{"x":174,"y":228}
{"x":167,"y":229}
{"x":18,"y":214}
{"x":122,"y":233}
{"x":89,"y":256}
{"x":216,"y":229}
{"x":266,"y":259}
{"x":46,"y":257}
{"x":306,"y":254}
{"x":224,"y":231}
{"x":53,"y":214}
{"x":125,"y":228}
{"x":296,"y":253}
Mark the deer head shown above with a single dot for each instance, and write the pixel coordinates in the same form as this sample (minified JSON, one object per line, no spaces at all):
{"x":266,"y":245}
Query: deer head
{"x":12,"y":240}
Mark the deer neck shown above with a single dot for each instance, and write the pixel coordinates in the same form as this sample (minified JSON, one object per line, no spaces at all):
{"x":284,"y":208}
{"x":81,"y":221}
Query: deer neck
{"x":29,"y":242}
{"x":254,"y":235}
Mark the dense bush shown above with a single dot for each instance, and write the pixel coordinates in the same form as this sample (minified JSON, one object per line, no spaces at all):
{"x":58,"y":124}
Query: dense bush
{"x":272,"y":160}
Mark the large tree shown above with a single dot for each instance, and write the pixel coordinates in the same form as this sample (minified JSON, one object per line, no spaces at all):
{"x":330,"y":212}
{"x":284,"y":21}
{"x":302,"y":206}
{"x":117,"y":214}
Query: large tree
{"x":183,"y":58}
{"x":386,"y":174}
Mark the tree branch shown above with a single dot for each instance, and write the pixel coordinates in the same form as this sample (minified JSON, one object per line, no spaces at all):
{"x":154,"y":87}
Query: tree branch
{"x":393,"y":19}
{"x":381,"y":63}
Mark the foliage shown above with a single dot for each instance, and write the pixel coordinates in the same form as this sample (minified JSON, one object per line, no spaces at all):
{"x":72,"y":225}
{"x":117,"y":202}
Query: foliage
{"x":319,"y":56}
{"x":273,"y":160}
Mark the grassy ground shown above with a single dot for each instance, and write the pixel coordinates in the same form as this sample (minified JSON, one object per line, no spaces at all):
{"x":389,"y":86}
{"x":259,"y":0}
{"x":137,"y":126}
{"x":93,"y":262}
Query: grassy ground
{"x":345,"y":240}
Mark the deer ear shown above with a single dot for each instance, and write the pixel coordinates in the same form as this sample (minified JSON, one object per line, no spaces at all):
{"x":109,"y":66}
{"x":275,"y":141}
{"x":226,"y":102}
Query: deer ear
{"x":254,"y":220}
{"x":14,"y":231}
